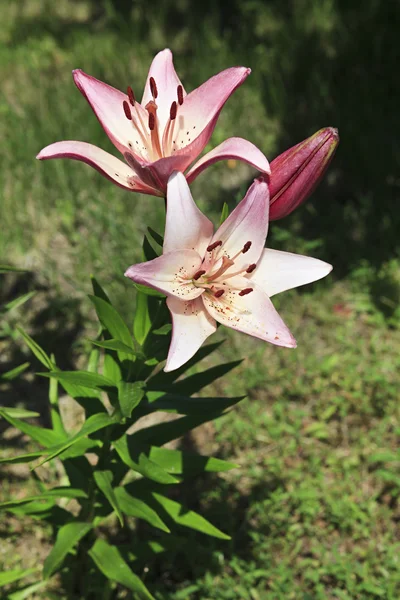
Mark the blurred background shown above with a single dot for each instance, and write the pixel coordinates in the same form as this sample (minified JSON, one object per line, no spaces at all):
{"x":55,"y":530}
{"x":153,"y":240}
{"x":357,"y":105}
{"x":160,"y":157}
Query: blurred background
{"x":314,"y":509}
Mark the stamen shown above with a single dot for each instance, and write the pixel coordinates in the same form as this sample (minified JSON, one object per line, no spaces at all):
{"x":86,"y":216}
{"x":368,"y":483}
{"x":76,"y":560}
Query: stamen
{"x":127,"y":110}
{"x":245,"y":291}
{"x":197,"y":275}
{"x":152,"y":121}
{"x":251,"y":268}
{"x":131,"y":95}
{"x":246,"y":247}
{"x":212,"y":247}
{"x":153,"y":88}
{"x":180,"y":95}
{"x":219,"y":293}
{"x":173,"y":111}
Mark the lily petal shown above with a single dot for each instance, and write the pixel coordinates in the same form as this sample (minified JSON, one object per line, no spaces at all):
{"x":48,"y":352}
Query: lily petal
{"x":186,"y":226}
{"x":280,"y":271}
{"x":233,"y":148}
{"x":168,"y":274}
{"x":253,"y":313}
{"x":108,"y":165}
{"x":247,"y":223}
{"x":167,"y":81}
{"x":107,"y":104}
{"x":199,"y":112}
{"x":191,"y":326}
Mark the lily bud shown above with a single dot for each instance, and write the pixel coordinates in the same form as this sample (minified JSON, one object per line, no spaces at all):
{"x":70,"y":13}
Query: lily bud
{"x":296,"y":173}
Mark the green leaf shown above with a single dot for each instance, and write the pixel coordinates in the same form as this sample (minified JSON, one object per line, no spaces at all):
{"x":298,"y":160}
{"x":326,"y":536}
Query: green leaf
{"x":13,"y":373}
{"x":59,"y":492}
{"x":68,"y":536}
{"x":182,"y":463}
{"x":93,"y":381}
{"x":92,"y":424}
{"x":11,"y":269}
{"x":194,"y":383}
{"x":19,"y":413}
{"x":36,"y":349}
{"x":112,"y":322}
{"x":149,"y":252}
{"x":129,"y":396}
{"x":188,"y":518}
{"x":134,"y":507}
{"x":116,"y":345}
{"x":134,"y":456}
{"x":156,"y":237}
{"x":45,"y":437}
{"x":15,"y":575}
{"x":98,"y":290}
{"x":110,"y":562}
{"x":19,"y":301}
{"x":77,"y":449}
{"x":187,"y":405}
{"x":148,"y":291}
{"x":224,"y":213}
{"x":27,"y":592}
{"x":142,"y":320}
{"x":103,"y":481}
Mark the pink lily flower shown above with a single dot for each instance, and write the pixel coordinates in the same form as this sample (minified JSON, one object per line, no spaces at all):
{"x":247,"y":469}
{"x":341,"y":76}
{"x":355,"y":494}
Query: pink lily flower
{"x":226,"y":277}
{"x":166,"y":132}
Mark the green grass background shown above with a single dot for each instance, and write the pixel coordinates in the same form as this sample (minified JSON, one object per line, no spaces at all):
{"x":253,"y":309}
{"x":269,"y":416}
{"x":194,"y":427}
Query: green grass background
{"x":314,"y":509}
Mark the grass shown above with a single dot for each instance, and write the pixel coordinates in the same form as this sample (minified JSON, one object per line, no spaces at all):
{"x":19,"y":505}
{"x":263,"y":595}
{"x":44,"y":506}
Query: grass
{"x":312,"y":511}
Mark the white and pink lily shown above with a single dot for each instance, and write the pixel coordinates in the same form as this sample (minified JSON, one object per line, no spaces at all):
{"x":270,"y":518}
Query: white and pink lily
{"x":227,"y":276}
{"x":166,"y":132}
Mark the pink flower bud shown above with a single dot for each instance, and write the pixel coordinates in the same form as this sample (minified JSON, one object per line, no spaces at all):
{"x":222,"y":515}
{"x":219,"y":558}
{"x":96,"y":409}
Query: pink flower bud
{"x":296,"y":173}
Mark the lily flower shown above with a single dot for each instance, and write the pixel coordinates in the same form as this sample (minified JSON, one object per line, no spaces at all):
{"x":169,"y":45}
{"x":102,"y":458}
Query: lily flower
{"x":296,"y":172}
{"x":226,"y":277}
{"x":166,"y":132}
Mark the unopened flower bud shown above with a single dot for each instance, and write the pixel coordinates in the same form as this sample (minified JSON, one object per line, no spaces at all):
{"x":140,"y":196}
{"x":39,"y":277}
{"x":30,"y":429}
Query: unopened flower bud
{"x":296,"y":173}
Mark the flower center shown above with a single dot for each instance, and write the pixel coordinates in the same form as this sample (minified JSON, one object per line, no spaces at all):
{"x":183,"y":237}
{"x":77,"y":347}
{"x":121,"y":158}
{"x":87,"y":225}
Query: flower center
{"x":155,"y":142}
{"x":214,"y":277}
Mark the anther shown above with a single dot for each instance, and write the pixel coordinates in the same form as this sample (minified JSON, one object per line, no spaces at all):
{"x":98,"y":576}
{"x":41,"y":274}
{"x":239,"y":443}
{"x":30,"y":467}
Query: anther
{"x":173,"y":110}
{"x":245,"y":291}
{"x":197,"y":275}
{"x":219,"y":293}
{"x":180,"y":95}
{"x":152,"y":121}
{"x":251,"y":268}
{"x":246,"y":247}
{"x":153,"y":88}
{"x":212,"y":247}
{"x":131,"y":95}
{"x":127,"y":110}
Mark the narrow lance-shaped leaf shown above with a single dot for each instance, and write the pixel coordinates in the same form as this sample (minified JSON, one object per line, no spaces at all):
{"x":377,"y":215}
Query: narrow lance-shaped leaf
{"x":188,"y":405}
{"x":134,"y":456}
{"x":110,"y":562}
{"x":112,"y":321}
{"x":19,"y":413}
{"x":60,"y":492}
{"x":13,"y":373}
{"x":67,"y":538}
{"x":45,"y":437}
{"x":36,"y":349}
{"x":15,"y":574}
{"x":103,"y":481}
{"x":135,"y":507}
{"x":116,"y":345}
{"x":187,"y":463}
{"x":86,"y":379}
{"x":129,"y":396}
{"x":142,"y":320}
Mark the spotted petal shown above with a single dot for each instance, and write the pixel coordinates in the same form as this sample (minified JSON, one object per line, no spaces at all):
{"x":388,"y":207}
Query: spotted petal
{"x":233,"y":148}
{"x":167,"y":81}
{"x":191,"y":326}
{"x":107,"y":104}
{"x":280,"y":271}
{"x":253,"y":313}
{"x":108,"y":165}
{"x":247,"y":223}
{"x":166,"y":272}
{"x":186,"y":226}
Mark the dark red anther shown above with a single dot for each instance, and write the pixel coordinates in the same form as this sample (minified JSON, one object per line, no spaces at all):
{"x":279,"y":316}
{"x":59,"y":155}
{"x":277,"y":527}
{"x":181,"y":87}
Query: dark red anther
{"x":245,"y":291}
{"x":219,"y":293}
{"x":131,"y":95}
{"x":246,"y":247}
{"x":152,"y":121}
{"x":197,"y":275}
{"x":212,"y":247}
{"x":173,"y":110}
{"x":153,"y":88}
{"x":251,"y":268}
{"x":127,"y":110}
{"x":180,"y":95}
